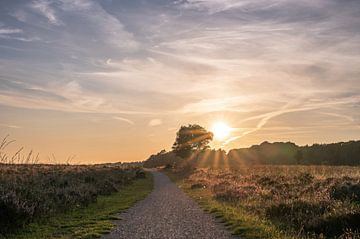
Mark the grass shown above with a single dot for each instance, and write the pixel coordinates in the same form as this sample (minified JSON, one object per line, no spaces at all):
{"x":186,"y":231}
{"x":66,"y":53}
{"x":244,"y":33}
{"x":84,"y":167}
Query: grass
{"x":92,"y":221}
{"x":279,"y":201}
{"x":237,"y":220}
{"x":31,"y":192}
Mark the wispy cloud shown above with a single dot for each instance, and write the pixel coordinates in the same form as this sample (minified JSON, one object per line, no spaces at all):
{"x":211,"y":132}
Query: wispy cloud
{"x":124,"y":120}
{"x":214,"y":60}
{"x":107,"y":27}
{"x":10,"y":30}
{"x":155,"y":122}
{"x":44,"y":8}
{"x":19,"y":38}
{"x":341,"y":116}
{"x":186,"y":61}
{"x":289,"y":108}
{"x":213,"y":6}
{"x":10,"y":126}
{"x":15,"y":34}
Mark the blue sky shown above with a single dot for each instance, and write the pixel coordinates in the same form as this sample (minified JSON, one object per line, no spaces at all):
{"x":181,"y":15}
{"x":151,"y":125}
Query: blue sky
{"x":79,"y":74}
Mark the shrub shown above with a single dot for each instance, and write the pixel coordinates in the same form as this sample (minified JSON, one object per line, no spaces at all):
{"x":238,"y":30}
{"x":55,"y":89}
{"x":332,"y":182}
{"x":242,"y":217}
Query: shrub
{"x":335,"y":225}
{"x":198,"y":185}
{"x":140,"y":174}
{"x":346,"y":191}
{"x":297,"y":213}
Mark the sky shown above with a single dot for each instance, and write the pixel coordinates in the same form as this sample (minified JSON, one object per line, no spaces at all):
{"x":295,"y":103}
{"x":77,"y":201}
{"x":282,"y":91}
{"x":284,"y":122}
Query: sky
{"x":111,"y":81}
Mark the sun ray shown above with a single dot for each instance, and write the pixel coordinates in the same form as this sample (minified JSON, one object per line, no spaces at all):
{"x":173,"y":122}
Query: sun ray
{"x":203,"y":159}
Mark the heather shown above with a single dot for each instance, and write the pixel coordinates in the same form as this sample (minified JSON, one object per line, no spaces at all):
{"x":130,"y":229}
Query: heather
{"x":302,"y":201}
{"x":29,"y":193}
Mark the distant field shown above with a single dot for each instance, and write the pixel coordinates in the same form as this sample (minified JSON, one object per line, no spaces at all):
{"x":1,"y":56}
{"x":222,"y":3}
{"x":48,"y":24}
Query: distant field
{"x":280,"y":201}
{"x":41,"y":198}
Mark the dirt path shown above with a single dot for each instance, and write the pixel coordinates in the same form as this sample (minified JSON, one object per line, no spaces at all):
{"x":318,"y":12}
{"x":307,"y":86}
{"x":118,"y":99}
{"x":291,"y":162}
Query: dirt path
{"x":167,"y":213}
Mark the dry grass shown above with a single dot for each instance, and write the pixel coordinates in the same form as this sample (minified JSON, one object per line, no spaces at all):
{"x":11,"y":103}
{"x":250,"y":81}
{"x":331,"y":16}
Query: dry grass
{"x":32,"y":192}
{"x":302,"y":201}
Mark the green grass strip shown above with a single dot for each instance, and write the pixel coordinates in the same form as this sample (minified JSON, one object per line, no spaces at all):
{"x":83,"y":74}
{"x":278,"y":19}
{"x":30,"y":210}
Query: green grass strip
{"x":92,"y":221}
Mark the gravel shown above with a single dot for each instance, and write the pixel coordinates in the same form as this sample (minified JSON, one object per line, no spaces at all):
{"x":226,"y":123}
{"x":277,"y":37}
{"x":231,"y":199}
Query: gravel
{"x":168,"y":213}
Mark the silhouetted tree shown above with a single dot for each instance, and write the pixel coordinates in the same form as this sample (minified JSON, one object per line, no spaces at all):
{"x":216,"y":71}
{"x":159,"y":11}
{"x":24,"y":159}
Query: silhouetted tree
{"x":285,"y":153}
{"x":298,"y":157}
{"x":191,"y":138}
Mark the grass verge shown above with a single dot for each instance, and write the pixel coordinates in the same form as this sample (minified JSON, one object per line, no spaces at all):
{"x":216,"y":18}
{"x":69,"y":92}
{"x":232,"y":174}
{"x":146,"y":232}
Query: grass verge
{"x":235,"y":218}
{"x":92,"y":221}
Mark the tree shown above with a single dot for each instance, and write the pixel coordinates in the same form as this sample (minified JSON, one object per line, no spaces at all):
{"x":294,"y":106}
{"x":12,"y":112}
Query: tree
{"x":299,"y":157}
{"x":191,"y":138}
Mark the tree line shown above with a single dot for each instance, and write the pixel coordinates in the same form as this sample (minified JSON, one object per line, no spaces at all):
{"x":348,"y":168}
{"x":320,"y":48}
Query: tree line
{"x":192,"y":141}
{"x":342,"y":153}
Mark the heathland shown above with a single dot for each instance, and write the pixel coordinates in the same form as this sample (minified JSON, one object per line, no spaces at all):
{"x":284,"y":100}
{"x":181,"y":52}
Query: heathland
{"x":278,"y":201}
{"x":271,"y":190}
{"x":44,"y":201}
{"x":63,"y":200}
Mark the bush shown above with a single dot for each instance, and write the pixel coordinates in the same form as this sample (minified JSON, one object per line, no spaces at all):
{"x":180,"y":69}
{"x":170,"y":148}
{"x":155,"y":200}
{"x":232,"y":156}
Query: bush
{"x":336,"y":225}
{"x":346,"y":191}
{"x":13,"y":212}
{"x":140,"y":174}
{"x":197,"y":186}
{"x":297,"y":213}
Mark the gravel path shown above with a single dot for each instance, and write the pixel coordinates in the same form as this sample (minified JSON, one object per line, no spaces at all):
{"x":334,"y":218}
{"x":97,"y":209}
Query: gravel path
{"x":167,"y":213}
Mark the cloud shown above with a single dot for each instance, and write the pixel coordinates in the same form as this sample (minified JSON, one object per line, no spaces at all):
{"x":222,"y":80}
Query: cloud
{"x":124,"y":120}
{"x":215,"y":6}
{"x":104,"y":33}
{"x":26,"y":90}
{"x":341,"y":116}
{"x":107,"y":27}
{"x":216,"y":105}
{"x":24,"y":39}
{"x":290,"y":108}
{"x":20,"y":15}
{"x":188,"y":60}
{"x":10,"y":30}
{"x":13,"y":33}
{"x":100,"y":31}
{"x":155,"y":122}
{"x":10,"y":126}
{"x":44,"y":8}
{"x":69,"y":97}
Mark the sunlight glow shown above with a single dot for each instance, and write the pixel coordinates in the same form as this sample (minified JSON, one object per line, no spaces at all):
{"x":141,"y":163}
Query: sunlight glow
{"x":220,"y":130}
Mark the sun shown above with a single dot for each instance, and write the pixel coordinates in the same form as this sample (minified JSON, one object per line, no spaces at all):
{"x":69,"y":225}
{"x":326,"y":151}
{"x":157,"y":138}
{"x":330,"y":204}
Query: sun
{"x":220,"y":130}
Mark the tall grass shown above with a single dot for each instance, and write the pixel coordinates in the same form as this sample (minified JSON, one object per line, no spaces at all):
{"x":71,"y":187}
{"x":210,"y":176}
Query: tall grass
{"x":19,"y":156}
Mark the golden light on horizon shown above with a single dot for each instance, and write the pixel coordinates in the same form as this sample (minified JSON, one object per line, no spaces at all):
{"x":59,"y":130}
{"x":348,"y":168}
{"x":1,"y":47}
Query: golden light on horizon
{"x":220,"y":130}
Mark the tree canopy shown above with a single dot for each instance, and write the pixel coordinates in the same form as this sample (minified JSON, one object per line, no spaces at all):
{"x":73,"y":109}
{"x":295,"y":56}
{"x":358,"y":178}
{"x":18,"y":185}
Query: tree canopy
{"x":191,"y":138}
